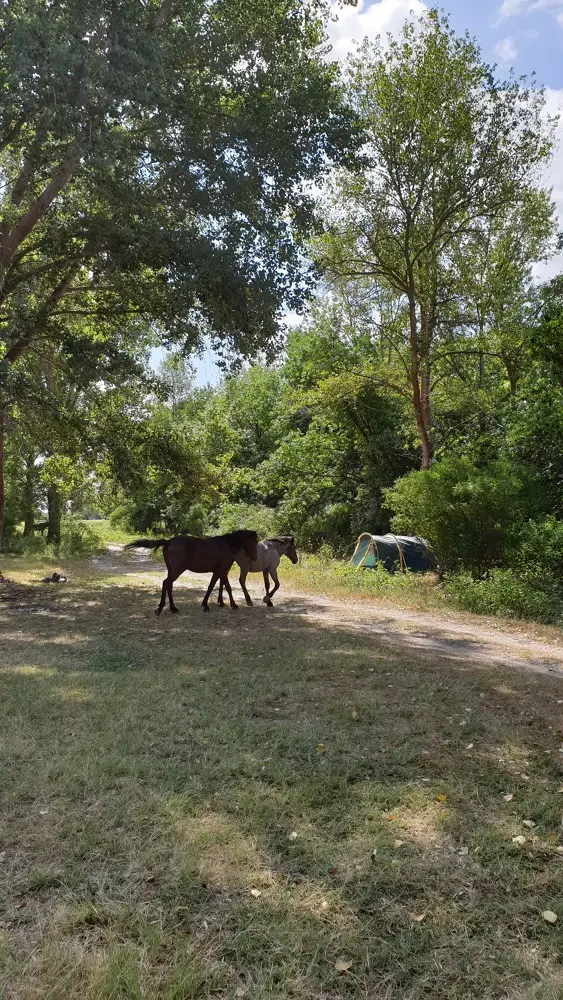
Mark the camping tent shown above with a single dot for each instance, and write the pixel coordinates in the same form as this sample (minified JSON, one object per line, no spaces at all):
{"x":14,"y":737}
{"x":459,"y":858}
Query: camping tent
{"x":393,"y":551}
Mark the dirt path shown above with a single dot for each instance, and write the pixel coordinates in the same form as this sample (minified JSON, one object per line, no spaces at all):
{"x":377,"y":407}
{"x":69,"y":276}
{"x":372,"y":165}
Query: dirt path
{"x":449,"y":635}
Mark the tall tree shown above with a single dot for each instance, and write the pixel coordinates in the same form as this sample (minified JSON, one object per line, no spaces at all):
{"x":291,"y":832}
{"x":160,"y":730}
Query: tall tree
{"x":452,"y":153}
{"x":154,"y":161}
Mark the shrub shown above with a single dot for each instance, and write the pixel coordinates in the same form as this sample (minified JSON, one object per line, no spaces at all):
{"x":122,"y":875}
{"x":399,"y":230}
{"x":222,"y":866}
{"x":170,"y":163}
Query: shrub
{"x":255,"y":517}
{"x":539,"y":557}
{"x":507,"y":594}
{"x":469,"y":515}
{"x":29,"y":545}
{"x":191,"y":522}
{"x":77,"y":538}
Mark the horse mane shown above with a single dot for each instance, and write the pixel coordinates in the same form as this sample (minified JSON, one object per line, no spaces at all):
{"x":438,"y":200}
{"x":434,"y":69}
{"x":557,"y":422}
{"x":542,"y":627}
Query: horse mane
{"x":235,"y":536}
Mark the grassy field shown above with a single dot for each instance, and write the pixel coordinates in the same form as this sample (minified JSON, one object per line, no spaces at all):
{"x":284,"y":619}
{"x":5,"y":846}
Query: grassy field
{"x":245,"y":804}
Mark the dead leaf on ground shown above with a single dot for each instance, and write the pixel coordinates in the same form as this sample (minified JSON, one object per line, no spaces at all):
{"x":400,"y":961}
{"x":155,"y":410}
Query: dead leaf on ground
{"x":520,"y":840}
{"x":550,"y":916}
{"x":293,"y":835}
{"x":256,"y":893}
{"x":398,"y":843}
{"x":418,"y":917}
{"x":320,"y":748}
{"x":508,"y":798}
{"x":440,"y":798}
{"x":391,"y":817}
{"x":529,"y":823}
{"x":342,"y":965}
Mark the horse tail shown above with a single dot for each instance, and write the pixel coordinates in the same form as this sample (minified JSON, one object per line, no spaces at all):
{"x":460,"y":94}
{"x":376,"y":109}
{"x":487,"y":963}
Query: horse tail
{"x":148,"y":543}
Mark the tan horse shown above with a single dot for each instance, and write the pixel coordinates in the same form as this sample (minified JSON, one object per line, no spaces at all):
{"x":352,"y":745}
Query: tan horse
{"x":267,"y":561}
{"x":213,"y":555}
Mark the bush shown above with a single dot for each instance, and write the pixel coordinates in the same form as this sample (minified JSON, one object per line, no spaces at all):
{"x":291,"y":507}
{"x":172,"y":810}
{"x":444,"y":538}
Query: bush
{"x":192,"y":522}
{"x":507,"y":594}
{"x":470,"y":516}
{"x":29,"y":545}
{"x":77,"y":538}
{"x":327,"y":529}
{"x":255,"y":517}
{"x":539,"y":557}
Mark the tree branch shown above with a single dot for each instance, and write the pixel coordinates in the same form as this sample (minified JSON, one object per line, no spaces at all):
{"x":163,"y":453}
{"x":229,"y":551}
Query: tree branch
{"x":11,"y":134}
{"x":37,"y":209}
{"x":163,"y":13}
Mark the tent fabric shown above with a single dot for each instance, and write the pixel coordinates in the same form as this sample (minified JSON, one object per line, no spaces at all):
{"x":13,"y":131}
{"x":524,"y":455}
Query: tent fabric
{"x":393,"y":552}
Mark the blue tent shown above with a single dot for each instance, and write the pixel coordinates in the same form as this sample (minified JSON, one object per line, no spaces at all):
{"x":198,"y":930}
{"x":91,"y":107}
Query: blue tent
{"x":393,"y":552}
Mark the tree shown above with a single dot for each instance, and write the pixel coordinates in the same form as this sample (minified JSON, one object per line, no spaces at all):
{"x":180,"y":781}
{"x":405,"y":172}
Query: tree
{"x":154,"y":161}
{"x":452,"y":158}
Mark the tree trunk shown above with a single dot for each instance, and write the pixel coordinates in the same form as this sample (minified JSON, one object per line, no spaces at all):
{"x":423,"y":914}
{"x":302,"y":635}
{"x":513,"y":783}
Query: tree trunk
{"x":420,"y":392}
{"x":2,"y":495}
{"x":54,"y":512}
{"x":29,"y":496}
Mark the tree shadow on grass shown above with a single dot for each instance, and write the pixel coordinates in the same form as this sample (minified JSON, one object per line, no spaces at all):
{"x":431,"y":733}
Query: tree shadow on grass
{"x":201,"y":804}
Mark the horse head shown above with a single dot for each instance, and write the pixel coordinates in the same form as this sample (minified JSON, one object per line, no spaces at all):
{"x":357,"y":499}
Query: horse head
{"x":250,"y":544}
{"x":290,"y":551}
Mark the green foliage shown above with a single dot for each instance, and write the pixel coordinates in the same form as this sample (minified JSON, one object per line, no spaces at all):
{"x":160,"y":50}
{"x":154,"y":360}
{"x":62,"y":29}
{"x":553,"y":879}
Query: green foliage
{"x":469,"y":515}
{"x":78,"y":538}
{"x":255,"y":517}
{"x":430,"y":248}
{"x":539,"y":557}
{"x":507,"y":594}
{"x":17,"y":544}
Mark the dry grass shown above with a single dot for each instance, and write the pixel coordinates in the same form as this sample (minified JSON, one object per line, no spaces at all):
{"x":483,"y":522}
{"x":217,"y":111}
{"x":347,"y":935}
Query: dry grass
{"x":191,"y":806}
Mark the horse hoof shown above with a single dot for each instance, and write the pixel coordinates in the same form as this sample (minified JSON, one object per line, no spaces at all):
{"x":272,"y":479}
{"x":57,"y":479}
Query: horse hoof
{"x":270,"y":604}
{"x":204,"y":607}
{"x":234,"y":607}
{"x":158,"y":611}
{"x":250,"y":604}
{"x":174,"y":611}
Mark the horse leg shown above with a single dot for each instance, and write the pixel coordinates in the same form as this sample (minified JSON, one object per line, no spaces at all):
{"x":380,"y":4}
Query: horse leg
{"x":274,"y":575}
{"x":266,"y":599}
{"x":220,"y":600}
{"x":214,"y":578}
{"x":173,"y":607}
{"x":242,"y":581}
{"x":163,"y":593}
{"x":225,"y":580}
{"x":174,"y":571}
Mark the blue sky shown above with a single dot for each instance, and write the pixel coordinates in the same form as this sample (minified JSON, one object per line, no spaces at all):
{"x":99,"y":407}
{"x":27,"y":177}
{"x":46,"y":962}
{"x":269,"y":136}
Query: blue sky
{"x":524,"y":34}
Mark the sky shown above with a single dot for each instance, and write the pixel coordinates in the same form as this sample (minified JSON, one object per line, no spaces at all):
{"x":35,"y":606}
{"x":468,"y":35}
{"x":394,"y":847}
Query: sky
{"x":526,"y":35}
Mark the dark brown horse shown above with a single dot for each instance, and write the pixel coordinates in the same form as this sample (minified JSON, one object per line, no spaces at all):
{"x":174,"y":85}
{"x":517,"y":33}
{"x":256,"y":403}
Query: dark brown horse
{"x":213,"y":555}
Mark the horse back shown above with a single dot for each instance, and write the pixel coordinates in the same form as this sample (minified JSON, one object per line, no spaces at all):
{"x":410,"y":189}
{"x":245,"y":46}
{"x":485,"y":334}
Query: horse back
{"x":268,"y":559}
{"x":200,"y":555}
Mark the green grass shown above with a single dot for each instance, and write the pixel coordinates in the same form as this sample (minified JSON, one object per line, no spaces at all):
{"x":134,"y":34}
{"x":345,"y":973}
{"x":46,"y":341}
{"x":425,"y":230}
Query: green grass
{"x":191,"y":805}
{"x":105,"y":532}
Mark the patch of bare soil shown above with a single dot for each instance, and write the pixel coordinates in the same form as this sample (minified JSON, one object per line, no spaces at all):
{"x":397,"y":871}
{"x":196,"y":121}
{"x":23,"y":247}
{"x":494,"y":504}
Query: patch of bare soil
{"x":463,"y":637}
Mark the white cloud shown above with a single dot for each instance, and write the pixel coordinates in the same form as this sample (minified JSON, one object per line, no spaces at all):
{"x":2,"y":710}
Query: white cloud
{"x":506,"y":50}
{"x":353,"y":24}
{"x":510,"y":8}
